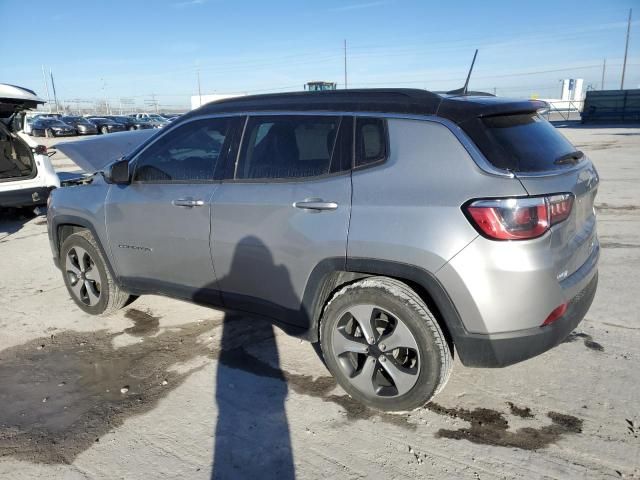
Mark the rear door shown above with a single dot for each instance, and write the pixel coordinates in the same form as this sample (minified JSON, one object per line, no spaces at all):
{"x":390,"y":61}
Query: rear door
{"x":284,"y":210}
{"x":159,"y":225}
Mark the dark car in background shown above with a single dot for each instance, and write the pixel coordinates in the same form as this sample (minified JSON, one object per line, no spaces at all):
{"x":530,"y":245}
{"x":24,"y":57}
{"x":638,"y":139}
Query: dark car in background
{"x":51,"y":127}
{"x":81,"y":124}
{"x":130,"y":123}
{"x":107,"y":125}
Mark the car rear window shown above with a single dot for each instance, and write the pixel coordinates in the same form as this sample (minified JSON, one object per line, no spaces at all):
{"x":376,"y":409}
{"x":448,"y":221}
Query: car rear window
{"x":521,"y":143}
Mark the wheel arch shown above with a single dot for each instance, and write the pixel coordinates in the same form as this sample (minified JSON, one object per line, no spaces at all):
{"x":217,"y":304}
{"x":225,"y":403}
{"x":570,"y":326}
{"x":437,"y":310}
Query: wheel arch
{"x":65,"y":225}
{"x":328,"y":277}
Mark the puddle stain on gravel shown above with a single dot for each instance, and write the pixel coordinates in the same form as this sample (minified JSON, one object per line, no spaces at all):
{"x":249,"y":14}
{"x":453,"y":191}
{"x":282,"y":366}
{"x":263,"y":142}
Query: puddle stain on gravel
{"x":618,"y":245}
{"x":588,"y":341}
{"x":144,"y":323}
{"x":489,"y":427}
{"x":606,"y":206}
{"x":522,"y":412}
{"x":66,"y":389}
{"x":66,"y":395}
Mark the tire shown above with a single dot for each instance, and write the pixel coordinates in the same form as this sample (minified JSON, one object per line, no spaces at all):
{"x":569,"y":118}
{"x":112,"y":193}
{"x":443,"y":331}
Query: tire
{"x":382,"y":376}
{"x":104,"y":130}
{"x":131,"y":128}
{"x":99,"y":294}
{"x":49,"y":133}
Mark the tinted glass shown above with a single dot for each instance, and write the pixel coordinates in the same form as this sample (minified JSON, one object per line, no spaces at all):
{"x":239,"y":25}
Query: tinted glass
{"x":522,"y":143}
{"x":188,"y":153}
{"x":371,"y":141}
{"x":287,"y":146}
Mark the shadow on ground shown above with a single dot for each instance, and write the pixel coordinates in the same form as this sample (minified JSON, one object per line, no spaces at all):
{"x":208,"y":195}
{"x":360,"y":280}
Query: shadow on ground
{"x":13,"y":219}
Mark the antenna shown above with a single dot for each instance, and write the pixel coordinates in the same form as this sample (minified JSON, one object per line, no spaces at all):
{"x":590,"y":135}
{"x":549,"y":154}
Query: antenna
{"x":466,"y":84}
{"x":465,"y":90}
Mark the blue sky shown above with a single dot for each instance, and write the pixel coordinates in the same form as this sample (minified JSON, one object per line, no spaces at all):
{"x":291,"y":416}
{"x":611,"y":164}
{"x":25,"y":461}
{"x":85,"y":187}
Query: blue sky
{"x":136,"y":48}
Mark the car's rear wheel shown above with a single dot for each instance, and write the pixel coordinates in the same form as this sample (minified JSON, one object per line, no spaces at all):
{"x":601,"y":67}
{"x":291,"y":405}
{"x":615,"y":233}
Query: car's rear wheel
{"x":49,"y":133}
{"x":383,"y":345}
{"x":104,"y":130}
{"x":87,"y":277}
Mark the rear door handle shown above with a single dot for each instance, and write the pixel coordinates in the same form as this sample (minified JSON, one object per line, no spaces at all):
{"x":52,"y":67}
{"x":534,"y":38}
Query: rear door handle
{"x":187,"y":202}
{"x":315,"y":204}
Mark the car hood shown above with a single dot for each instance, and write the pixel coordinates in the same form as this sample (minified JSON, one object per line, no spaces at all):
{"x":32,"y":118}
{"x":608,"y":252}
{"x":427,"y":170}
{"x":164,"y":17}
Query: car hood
{"x":95,"y":153}
{"x":14,"y":99}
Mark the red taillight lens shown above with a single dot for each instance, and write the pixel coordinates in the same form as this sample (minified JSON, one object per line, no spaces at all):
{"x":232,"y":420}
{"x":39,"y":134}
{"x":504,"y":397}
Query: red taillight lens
{"x":560,"y":207}
{"x":556,"y":314}
{"x":519,"y":218}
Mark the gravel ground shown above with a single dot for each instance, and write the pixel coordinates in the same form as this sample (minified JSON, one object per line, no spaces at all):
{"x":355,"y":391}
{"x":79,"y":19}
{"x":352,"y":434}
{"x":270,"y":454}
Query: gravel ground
{"x":165,"y":389}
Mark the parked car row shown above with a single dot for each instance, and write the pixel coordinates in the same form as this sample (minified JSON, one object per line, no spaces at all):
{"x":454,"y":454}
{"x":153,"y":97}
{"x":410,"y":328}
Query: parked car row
{"x":56,"y":125}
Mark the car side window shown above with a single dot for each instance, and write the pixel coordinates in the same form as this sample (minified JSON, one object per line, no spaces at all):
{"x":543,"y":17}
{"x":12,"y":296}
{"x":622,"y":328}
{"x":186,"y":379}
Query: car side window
{"x":187,"y":153}
{"x":287,"y":146}
{"x":371,"y":141}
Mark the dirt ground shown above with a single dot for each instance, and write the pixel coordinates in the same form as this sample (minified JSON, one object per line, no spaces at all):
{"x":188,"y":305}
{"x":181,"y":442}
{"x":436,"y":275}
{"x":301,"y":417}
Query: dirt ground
{"x":165,"y":389}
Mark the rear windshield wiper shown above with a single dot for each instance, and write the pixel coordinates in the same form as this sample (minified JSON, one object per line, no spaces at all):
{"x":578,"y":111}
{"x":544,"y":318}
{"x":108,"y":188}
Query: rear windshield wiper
{"x":571,"y":157}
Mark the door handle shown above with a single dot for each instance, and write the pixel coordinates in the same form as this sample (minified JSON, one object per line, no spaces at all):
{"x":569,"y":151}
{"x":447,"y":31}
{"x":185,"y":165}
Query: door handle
{"x":187,"y":202}
{"x":315,"y":204}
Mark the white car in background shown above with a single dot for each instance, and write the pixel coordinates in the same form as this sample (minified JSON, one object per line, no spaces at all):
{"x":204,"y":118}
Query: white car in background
{"x":26,"y":173}
{"x":155,"y":119}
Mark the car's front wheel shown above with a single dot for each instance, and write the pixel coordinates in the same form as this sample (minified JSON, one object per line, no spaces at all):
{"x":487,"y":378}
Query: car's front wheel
{"x":104,"y":130}
{"x":49,"y":133}
{"x":383,"y":345}
{"x":87,"y":277}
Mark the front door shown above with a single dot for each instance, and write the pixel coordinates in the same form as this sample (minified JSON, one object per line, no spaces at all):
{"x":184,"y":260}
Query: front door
{"x":285,"y":211}
{"x":159,"y":225}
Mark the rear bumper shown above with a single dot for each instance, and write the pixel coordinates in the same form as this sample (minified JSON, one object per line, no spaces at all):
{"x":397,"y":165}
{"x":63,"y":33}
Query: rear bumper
{"x":503,"y":349}
{"x":25,"y":197}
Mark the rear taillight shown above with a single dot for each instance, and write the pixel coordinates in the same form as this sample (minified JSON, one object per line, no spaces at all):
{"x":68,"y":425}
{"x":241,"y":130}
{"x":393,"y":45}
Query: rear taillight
{"x":559,"y":207}
{"x":518,"y":218}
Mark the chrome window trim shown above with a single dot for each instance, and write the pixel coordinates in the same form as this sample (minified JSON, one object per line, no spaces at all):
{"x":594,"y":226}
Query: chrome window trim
{"x":477,"y":156}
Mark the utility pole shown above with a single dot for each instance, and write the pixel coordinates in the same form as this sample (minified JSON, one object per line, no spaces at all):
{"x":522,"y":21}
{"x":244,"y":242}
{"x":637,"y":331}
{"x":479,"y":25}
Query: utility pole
{"x":46,"y":86}
{"x":604,"y":68}
{"x":199,"y":91}
{"x":53,"y":86}
{"x":346,"y":84}
{"x":626,"y":49}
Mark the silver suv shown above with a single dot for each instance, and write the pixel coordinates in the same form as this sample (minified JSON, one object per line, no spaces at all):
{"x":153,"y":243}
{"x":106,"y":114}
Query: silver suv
{"x":395,"y":227}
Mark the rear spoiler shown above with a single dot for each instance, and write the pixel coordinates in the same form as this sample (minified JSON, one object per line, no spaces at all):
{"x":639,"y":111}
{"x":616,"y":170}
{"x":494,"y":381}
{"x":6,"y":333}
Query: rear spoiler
{"x":464,"y":108}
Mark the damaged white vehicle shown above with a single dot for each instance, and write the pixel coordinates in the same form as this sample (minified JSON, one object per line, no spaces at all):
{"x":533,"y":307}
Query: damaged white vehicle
{"x":26,"y":174}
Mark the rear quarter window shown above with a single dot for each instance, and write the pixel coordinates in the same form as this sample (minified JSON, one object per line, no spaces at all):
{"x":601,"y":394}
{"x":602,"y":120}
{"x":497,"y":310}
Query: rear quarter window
{"x":371,"y":141}
{"x":520,"y":143}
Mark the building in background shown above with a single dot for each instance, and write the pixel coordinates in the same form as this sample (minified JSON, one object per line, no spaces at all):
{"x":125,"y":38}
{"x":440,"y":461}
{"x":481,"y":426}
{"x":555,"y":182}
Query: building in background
{"x":572,"y":89}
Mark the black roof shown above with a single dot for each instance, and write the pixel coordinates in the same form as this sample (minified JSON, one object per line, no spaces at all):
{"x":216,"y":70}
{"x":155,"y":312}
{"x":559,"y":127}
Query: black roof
{"x":388,"y":100}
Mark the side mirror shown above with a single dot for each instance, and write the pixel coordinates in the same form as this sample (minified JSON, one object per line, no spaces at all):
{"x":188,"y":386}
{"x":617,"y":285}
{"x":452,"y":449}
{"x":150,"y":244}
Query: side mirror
{"x":117,"y":172}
